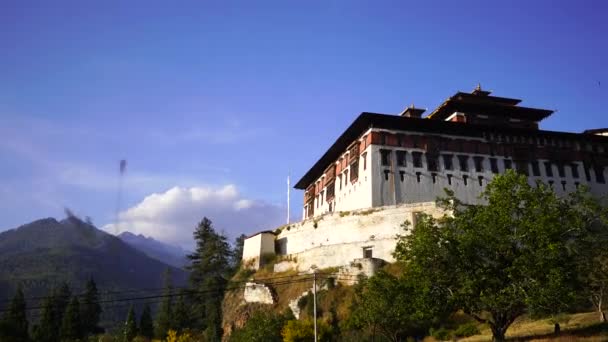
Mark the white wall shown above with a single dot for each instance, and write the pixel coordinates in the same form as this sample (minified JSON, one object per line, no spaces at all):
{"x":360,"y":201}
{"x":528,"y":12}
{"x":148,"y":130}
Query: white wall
{"x":337,"y":240}
{"x":256,"y":246}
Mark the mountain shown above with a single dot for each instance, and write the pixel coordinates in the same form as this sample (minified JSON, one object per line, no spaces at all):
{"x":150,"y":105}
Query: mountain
{"x":170,"y":255}
{"x":44,"y":253}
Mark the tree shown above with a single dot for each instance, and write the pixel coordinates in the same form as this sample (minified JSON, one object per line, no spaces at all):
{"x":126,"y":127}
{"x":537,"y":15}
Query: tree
{"x":395,"y":308}
{"x":62,"y":300}
{"x":14,"y":324}
{"x":237,"y":254}
{"x":303,"y":331}
{"x":516,"y":254}
{"x":164,"y":316}
{"x":130,"y":328}
{"x":71,"y":326}
{"x":210,"y":270}
{"x":262,"y":326}
{"x":90,"y":309}
{"x":146,"y":325}
{"x":47,"y":329}
{"x":181,"y":315}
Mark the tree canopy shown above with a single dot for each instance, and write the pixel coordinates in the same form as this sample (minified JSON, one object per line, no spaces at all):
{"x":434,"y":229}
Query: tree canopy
{"x":516,"y":253}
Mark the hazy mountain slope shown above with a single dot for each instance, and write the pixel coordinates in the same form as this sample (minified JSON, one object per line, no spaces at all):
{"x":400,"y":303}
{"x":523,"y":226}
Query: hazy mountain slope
{"x":171,"y":255}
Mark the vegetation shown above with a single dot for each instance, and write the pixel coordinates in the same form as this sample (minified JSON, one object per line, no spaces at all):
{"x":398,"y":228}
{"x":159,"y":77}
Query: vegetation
{"x":14,"y":324}
{"x":262,"y":326}
{"x":518,"y":254}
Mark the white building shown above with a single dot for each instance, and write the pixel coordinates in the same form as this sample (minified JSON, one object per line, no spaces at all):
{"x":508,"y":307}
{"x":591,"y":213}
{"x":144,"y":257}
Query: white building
{"x":402,"y":163}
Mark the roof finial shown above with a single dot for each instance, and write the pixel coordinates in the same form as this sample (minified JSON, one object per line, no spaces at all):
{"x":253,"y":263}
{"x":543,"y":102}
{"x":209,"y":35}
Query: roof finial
{"x":478,"y":88}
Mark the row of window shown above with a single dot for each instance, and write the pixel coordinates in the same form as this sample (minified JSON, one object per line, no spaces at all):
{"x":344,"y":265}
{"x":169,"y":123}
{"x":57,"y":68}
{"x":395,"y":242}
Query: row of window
{"x":432,"y":162}
{"x":465,"y":179}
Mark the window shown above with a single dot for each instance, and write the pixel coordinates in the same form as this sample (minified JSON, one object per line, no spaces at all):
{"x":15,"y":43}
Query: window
{"x":354,"y":171}
{"x":321,"y":195}
{"x":434,"y":176}
{"x":449,"y":179}
{"x":447,"y":162}
{"x":564,"y":185}
{"x":402,"y":175}
{"x":521,"y":167}
{"x":385,"y":157}
{"x":574,"y":169}
{"x":587,"y":173}
{"x":415,"y":141}
{"x":494,"y":165}
{"x":480,"y":180}
{"x":386,"y":172}
{"x":418,"y":176}
{"x":382,"y":138}
{"x":431,"y":162}
{"x":417,"y":159}
{"x":577,"y":184}
{"x":508,"y":164}
{"x":535,"y":168}
{"x":464,"y":163}
{"x":548,"y":169}
{"x":364,"y":157}
{"x":465,"y":179}
{"x":561,"y":170}
{"x":340,"y":181}
{"x":599,"y":174}
{"x":345,"y":178}
{"x":401,"y":158}
{"x":551,"y":184}
{"x":331,"y":191}
{"x":367,"y":252}
{"x":478,"y":164}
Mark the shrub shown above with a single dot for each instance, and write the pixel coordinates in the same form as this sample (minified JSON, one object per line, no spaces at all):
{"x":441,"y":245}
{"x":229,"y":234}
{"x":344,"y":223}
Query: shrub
{"x":261,"y":327}
{"x":303,"y":331}
{"x":466,"y":330}
{"x":441,"y":333}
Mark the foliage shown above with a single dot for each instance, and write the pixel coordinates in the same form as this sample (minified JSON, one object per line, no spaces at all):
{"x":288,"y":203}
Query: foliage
{"x":14,"y":324}
{"x":517,"y":253}
{"x":181,"y":315}
{"x":130,"y":328}
{"x":395,"y":307}
{"x":210,"y":271}
{"x":237,"y":254}
{"x":53,"y":309}
{"x":466,"y":330}
{"x":71,"y":326}
{"x":90,"y":310}
{"x":303,"y":331}
{"x":146,"y":325}
{"x":263,"y":326}
{"x":173,"y":336}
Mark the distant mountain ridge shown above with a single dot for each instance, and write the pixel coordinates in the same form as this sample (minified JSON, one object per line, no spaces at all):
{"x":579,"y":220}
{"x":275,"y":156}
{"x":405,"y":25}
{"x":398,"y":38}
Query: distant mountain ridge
{"x":169,"y":254}
{"x":41,"y":254}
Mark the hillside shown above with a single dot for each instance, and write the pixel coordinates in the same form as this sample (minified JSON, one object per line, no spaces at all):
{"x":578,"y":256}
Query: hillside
{"x":41,"y":254}
{"x":168,"y":254}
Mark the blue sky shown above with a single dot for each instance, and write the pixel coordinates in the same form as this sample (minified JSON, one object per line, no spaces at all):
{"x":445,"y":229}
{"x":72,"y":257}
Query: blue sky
{"x":228,"y":97}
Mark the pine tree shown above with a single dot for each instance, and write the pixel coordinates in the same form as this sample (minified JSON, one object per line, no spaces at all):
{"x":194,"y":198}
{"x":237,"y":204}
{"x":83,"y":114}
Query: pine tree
{"x":14,"y":324}
{"x":71,"y":326}
{"x":62,"y":300}
{"x":47,"y":329}
{"x":146,"y":326}
{"x":90,"y":309}
{"x":210,"y":270}
{"x":237,"y":254}
{"x":130,"y":329}
{"x":181,"y":315}
{"x":165,"y":313}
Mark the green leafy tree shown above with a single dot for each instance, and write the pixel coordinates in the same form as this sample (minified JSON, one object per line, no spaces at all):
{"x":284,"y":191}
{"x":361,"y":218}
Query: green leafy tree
{"x":303,"y":331}
{"x":71,"y":326}
{"x":130,"y":328}
{"x":146,"y":325}
{"x":395,"y":308}
{"x":14,"y":324}
{"x":164,"y":317}
{"x":516,"y":254}
{"x":90,"y":310}
{"x":262,"y":326}
{"x":210,"y":270}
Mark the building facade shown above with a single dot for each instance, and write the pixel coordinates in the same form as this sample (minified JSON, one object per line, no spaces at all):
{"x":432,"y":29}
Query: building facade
{"x":385,"y":169}
{"x":383,"y":160}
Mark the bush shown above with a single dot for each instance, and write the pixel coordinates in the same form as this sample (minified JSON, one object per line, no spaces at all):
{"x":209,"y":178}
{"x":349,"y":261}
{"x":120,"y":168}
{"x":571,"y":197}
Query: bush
{"x":441,"y":333}
{"x":261,"y":327}
{"x":466,"y":330}
{"x":303,"y":331}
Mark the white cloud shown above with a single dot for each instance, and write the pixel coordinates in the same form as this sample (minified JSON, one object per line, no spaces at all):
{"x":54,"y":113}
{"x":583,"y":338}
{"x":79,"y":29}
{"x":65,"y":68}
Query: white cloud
{"x":171,"y":216}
